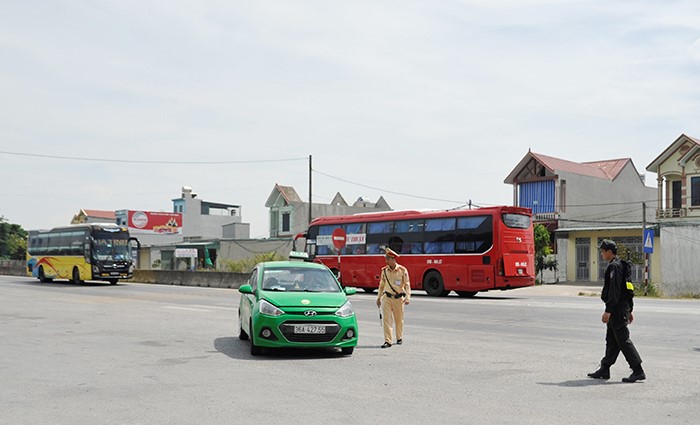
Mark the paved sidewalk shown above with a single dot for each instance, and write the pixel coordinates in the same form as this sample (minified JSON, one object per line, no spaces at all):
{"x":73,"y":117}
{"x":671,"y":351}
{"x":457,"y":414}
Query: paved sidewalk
{"x":562,"y":289}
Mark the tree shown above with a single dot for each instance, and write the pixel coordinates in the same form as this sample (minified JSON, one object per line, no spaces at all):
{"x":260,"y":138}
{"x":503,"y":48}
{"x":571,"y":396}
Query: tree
{"x":543,"y":250}
{"x":13,"y":241}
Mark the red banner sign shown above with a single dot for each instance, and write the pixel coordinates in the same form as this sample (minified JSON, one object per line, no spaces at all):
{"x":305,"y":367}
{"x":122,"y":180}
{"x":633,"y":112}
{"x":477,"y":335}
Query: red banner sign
{"x":155,"y":222}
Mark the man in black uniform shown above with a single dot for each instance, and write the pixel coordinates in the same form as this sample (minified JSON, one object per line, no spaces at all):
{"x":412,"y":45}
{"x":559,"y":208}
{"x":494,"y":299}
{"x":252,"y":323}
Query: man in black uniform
{"x":618,"y":314}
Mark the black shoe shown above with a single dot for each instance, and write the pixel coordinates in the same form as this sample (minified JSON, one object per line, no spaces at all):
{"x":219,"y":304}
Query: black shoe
{"x":635,"y":376}
{"x":601,"y":373}
{"x":399,"y":341}
{"x":386,"y":345}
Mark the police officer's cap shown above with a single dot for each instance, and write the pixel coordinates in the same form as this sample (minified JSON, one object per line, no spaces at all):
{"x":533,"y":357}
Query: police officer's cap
{"x":390,"y":253}
{"x":608,"y":245}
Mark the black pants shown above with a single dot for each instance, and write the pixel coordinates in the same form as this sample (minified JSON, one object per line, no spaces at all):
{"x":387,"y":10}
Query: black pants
{"x":618,"y":339}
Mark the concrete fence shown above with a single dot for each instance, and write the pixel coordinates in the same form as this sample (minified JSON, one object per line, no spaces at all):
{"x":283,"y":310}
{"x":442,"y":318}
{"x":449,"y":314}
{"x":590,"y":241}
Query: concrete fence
{"x":13,"y":267}
{"x":187,"y":278}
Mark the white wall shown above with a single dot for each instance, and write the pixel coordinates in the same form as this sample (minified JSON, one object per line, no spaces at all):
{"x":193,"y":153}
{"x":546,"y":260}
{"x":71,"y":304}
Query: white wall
{"x":680,"y":260}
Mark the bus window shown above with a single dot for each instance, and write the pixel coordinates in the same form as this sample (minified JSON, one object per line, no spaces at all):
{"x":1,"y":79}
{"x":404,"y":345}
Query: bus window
{"x":440,"y":236}
{"x":474,"y":234}
{"x":516,"y":221}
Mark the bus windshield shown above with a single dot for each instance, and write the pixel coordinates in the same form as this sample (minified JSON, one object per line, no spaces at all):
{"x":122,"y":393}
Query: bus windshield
{"x":111,"y":246}
{"x":517,"y":221}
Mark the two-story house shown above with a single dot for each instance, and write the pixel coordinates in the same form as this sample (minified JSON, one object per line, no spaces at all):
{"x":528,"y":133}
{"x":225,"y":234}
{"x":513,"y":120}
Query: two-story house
{"x":289,"y":214}
{"x":678,"y":212}
{"x":581,"y":204}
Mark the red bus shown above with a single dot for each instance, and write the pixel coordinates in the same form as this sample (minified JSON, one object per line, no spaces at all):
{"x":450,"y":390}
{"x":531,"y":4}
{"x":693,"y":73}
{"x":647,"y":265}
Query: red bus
{"x":466,"y":251}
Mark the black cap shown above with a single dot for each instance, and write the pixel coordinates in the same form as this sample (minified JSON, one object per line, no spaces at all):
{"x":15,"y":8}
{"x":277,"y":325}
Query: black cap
{"x":608,"y":245}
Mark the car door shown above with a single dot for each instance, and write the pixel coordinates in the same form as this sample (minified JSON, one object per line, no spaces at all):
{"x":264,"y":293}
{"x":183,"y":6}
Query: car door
{"x":248,"y":301}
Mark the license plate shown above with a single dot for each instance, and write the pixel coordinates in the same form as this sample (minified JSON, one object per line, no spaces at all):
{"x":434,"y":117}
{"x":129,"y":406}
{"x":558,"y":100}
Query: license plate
{"x":309,"y":329}
{"x":115,"y":273}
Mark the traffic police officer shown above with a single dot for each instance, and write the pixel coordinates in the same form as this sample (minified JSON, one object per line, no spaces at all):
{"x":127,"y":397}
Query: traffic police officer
{"x":394,"y":293}
{"x":618,"y":314}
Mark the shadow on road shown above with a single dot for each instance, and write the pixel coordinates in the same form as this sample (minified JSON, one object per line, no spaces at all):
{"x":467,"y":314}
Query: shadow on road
{"x":69,"y":284}
{"x":240,"y":350}
{"x":580,"y":383}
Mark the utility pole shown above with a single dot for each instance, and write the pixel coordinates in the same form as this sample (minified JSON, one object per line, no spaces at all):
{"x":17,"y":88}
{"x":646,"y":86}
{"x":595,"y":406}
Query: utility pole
{"x":646,"y":256}
{"x":310,"y":170}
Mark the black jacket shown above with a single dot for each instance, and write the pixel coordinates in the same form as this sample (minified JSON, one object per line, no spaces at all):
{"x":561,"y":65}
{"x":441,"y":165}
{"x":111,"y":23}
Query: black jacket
{"x":615,"y":295}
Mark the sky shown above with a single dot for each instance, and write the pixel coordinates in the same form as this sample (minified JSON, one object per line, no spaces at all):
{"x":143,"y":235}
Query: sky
{"x":429,"y":104}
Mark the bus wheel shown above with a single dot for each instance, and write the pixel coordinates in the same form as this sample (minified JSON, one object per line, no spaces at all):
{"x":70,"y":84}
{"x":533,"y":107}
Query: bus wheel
{"x":466,"y":294}
{"x":112,"y":281}
{"x":42,"y":276}
{"x":369,"y":290}
{"x":433,"y":285}
{"x":76,"y":276}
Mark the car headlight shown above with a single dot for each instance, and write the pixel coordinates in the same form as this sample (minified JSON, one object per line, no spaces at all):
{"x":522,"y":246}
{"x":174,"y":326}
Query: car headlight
{"x":345,"y":311}
{"x":269,"y":309}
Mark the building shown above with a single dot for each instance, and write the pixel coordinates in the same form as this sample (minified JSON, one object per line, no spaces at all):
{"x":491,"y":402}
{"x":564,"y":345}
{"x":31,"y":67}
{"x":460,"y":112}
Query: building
{"x":209,"y":220}
{"x":94,"y":216}
{"x":678,"y":213}
{"x":581,"y":204}
{"x":289,"y":214}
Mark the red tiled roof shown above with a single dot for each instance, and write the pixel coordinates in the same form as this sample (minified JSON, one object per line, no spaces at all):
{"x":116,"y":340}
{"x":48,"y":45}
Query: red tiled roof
{"x":607,"y":169}
{"x":611,"y":168}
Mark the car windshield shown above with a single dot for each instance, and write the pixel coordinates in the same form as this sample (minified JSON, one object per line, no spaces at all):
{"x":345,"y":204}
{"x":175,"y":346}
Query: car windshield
{"x":298,"y":279}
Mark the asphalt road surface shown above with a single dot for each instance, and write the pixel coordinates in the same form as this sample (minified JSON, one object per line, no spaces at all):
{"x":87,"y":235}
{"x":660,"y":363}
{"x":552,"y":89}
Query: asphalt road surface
{"x":151,"y":354}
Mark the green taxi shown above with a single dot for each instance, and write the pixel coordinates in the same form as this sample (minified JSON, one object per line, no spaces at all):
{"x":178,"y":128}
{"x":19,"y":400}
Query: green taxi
{"x":296,"y":304}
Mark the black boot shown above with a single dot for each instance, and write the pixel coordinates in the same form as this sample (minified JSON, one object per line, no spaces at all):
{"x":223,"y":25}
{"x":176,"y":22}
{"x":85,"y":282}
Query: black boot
{"x":602,"y":373}
{"x":637,"y":375}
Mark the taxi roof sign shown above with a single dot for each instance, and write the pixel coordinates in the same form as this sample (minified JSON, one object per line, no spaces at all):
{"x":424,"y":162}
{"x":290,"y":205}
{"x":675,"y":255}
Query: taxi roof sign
{"x":298,"y":255}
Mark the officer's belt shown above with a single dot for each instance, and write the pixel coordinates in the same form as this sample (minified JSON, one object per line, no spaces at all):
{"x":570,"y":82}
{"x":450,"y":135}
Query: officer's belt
{"x":397,"y":296}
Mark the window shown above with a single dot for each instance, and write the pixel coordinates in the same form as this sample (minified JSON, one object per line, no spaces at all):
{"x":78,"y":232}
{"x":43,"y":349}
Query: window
{"x":352,"y":247}
{"x":474,"y":234}
{"x":440,"y":236}
{"x":516,"y":221}
{"x":562,"y":196}
{"x":286,"y":222}
{"x":383,"y":227}
{"x":695,"y":191}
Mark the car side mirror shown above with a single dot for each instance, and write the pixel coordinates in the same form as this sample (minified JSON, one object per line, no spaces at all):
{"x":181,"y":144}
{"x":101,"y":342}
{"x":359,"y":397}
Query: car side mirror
{"x":349,"y":290}
{"x":245,"y":289}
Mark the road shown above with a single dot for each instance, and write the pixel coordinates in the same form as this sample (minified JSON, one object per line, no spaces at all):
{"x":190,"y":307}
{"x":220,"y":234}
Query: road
{"x":151,"y":354}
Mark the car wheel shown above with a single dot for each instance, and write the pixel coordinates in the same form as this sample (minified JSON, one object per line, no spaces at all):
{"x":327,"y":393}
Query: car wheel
{"x":369,"y":290}
{"x":466,"y":294}
{"x":76,"y":276}
{"x":241,"y":333}
{"x":433,"y":285}
{"x":42,"y":276}
{"x":255,"y":350}
{"x":347,"y":350}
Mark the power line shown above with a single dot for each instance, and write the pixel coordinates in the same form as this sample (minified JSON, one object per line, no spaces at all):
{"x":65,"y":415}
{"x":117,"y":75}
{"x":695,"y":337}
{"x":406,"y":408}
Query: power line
{"x":134,"y":161}
{"x":387,"y":191}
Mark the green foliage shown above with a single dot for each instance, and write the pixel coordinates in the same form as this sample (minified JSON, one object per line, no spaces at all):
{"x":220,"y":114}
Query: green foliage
{"x":246,"y":265}
{"x":156,"y":264}
{"x":13,"y":241}
{"x":543,"y":250}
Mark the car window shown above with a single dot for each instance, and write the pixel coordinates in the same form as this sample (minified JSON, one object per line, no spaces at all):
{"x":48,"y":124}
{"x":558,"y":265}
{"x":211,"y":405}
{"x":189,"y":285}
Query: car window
{"x":253,"y":281}
{"x":299,"y":279}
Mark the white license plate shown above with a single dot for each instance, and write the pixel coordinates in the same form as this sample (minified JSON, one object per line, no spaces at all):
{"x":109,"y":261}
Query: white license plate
{"x":309,"y":329}
{"x":115,"y":273}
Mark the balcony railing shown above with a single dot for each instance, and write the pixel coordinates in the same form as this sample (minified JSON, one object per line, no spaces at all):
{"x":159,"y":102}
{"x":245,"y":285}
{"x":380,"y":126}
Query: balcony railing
{"x":671,"y":213}
{"x":545,"y":216}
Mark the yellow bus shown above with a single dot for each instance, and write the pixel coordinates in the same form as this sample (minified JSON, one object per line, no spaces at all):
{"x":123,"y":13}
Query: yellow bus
{"x":81,"y":252}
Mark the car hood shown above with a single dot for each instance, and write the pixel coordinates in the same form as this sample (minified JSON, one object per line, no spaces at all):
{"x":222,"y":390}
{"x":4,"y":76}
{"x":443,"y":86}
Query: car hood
{"x":305,"y":299}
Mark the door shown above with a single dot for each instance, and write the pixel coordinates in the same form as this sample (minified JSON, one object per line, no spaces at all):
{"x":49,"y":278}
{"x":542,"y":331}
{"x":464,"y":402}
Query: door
{"x":676,"y":195}
{"x":583,"y":259}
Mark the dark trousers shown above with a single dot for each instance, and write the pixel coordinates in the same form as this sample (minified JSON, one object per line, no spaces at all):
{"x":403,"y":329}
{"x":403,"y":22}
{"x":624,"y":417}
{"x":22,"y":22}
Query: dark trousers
{"x":618,"y":339}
